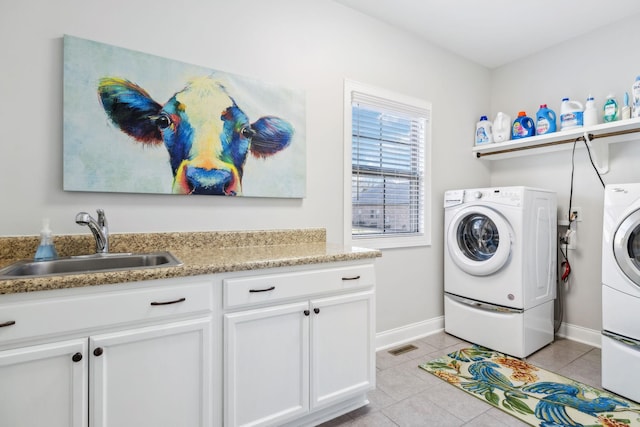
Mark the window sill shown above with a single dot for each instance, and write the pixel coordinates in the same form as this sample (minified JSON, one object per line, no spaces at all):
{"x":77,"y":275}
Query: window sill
{"x":390,"y":242}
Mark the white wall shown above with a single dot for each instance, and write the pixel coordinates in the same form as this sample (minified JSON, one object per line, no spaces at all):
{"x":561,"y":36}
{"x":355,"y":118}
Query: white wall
{"x":310,"y":45}
{"x":598,"y":63}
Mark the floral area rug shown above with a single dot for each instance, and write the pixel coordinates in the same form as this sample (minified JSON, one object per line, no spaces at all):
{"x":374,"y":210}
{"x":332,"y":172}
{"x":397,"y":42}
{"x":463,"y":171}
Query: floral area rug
{"x":534,"y":395}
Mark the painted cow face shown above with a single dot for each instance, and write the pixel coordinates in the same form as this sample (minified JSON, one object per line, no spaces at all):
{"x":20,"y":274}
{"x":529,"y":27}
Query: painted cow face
{"x":206,"y":134}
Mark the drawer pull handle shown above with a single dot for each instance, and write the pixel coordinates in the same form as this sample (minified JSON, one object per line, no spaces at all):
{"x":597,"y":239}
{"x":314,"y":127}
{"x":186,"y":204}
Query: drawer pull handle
{"x":262,"y":290}
{"x":169,"y":302}
{"x":9,"y":323}
{"x":351,"y":278}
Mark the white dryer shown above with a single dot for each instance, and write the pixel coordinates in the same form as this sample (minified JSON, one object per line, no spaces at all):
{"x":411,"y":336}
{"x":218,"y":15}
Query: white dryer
{"x":500,"y":267}
{"x":621,"y":290}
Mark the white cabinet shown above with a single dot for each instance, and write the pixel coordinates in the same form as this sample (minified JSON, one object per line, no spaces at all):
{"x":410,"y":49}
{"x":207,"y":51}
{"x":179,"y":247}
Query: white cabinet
{"x":152,"y":376}
{"x":145,"y":359}
{"x":266,"y":365}
{"x":343,"y":348}
{"x":278,"y":347}
{"x":44,"y":385}
{"x":301,"y":353}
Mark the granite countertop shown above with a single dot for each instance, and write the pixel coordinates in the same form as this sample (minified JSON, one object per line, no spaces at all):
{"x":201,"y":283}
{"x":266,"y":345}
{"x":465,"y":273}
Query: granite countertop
{"x":200,"y":252}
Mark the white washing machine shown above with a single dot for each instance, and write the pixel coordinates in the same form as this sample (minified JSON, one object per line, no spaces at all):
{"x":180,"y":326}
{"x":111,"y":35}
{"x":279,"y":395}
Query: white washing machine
{"x":621,"y":290}
{"x":500,"y":267}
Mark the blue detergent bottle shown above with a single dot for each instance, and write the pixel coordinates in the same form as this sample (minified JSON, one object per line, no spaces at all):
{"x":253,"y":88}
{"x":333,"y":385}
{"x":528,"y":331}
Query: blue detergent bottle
{"x":523,"y":126}
{"x":545,"y":120}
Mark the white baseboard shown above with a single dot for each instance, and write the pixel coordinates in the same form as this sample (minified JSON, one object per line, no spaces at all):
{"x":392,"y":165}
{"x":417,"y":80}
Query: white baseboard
{"x":408,"y":333}
{"x":414,"y":331}
{"x":580,"y":334}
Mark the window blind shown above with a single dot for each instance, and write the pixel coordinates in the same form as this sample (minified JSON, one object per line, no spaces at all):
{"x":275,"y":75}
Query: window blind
{"x":388,"y":142}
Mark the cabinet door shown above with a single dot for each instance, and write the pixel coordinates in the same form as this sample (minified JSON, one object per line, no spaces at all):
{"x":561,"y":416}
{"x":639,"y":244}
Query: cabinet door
{"x":44,"y":385}
{"x":152,"y":377}
{"x":342,"y":347}
{"x":266,"y":365}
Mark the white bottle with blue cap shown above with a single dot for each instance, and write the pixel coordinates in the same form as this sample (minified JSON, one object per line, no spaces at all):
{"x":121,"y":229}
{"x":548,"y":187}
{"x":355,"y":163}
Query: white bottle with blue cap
{"x":484,"y":131}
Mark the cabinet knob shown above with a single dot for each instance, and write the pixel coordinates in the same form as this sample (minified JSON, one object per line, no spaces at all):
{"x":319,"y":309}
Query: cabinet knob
{"x":306,"y":312}
{"x":98,"y":351}
{"x":77,"y":357}
{"x":316,"y":310}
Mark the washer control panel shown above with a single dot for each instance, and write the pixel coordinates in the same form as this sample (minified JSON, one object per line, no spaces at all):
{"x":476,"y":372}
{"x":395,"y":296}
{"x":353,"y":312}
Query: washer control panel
{"x":512,"y":196}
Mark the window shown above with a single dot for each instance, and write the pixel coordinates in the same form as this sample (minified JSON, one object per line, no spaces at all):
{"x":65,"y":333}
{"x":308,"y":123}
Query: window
{"x":386,"y":185}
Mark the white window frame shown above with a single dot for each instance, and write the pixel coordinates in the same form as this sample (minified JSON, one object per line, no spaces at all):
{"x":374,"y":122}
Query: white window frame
{"x":394,"y":240}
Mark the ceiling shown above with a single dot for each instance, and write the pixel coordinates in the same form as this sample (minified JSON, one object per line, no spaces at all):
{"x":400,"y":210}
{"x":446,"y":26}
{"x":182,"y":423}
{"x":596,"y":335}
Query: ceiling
{"x":495,"y":32}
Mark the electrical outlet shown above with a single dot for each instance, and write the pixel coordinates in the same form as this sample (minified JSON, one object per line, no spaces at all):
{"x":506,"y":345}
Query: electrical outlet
{"x":576,"y":214}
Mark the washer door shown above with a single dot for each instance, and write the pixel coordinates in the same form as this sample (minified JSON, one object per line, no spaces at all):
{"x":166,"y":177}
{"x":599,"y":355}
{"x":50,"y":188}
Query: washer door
{"x":479,"y":240}
{"x":626,"y":246}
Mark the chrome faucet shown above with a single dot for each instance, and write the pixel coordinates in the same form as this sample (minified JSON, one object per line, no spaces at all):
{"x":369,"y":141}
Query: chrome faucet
{"x":99,"y":228}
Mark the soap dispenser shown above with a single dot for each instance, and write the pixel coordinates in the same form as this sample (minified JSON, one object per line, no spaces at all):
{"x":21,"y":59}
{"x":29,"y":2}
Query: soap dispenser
{"x":46,"y":250}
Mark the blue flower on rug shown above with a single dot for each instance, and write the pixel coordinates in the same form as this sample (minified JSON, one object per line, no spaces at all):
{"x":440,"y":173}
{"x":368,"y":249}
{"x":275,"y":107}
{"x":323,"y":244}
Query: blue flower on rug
{"x":552,"y":408}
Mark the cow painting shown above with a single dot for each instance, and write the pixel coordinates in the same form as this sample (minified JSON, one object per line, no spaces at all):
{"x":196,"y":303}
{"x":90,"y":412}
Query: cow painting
{"x":206,"y":133}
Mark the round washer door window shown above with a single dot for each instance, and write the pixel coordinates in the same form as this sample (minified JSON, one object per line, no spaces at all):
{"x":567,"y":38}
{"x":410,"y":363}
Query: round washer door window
{"x":626,"y":247}
{"x":479,"y":240}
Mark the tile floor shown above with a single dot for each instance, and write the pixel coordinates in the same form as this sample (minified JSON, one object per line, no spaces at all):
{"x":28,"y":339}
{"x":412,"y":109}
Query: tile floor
{"x":408,"y":396}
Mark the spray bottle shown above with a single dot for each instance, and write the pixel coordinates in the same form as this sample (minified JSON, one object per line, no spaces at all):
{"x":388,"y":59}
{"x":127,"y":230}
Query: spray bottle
{"x":625,"y":111}
{"x":46,"y":250}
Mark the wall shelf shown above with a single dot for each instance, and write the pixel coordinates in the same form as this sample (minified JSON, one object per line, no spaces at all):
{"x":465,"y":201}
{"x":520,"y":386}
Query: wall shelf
{"x":608,"y":133}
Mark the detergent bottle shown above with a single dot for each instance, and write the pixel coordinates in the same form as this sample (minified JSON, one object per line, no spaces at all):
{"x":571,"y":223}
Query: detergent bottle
{"x":571,"y":114}
{"x":502,"y":127}
{"x":545,"y":120}
{"x":523,"y":126}
{"x":484,"y":131}
{"x":610,"y":109}
{"x":590,"y":117}
{"x":635,"y":98}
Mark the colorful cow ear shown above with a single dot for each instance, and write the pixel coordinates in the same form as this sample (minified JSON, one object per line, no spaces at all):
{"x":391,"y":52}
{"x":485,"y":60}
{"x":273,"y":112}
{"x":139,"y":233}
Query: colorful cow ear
{"x":272,"y":134}
{"x":131,"y":109}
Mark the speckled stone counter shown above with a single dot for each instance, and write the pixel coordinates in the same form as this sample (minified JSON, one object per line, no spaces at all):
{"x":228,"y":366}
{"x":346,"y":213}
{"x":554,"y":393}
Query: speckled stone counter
{"x":200,"y":252}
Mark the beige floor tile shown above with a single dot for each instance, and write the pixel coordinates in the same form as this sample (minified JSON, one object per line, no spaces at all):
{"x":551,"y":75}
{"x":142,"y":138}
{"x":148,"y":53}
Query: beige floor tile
{"x":464,"y":405}
{"x":401,"y":382}
{"x":418,"y":410}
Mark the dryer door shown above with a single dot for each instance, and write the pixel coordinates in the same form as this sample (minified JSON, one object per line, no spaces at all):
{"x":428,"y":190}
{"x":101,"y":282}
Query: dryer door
{"x":626,"y":246}
{"x":479,"y":240}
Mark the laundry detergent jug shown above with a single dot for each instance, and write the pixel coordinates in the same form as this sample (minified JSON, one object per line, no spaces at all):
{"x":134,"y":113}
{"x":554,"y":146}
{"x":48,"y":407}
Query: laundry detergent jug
{"x":545,"y":120}
{"x":502,"y":128}
{"x":523,"y":126}
{"x":571,"y":114}
{"x":484,"y":132}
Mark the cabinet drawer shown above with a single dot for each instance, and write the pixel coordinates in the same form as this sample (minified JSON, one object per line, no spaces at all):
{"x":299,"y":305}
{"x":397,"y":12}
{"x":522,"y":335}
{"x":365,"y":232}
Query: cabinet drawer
{"x":275,"y":287}
{"x":62,"y":315}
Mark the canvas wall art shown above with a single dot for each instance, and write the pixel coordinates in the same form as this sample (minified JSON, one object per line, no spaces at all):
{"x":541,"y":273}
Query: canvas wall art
{"x":139,"y":123}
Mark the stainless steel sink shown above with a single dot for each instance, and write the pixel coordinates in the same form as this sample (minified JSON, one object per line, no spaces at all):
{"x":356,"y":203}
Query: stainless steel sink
{"x":89,"y":264}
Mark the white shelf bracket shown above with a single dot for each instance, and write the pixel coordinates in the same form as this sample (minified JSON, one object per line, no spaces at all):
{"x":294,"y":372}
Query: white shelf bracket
{"x":599,"y":153}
